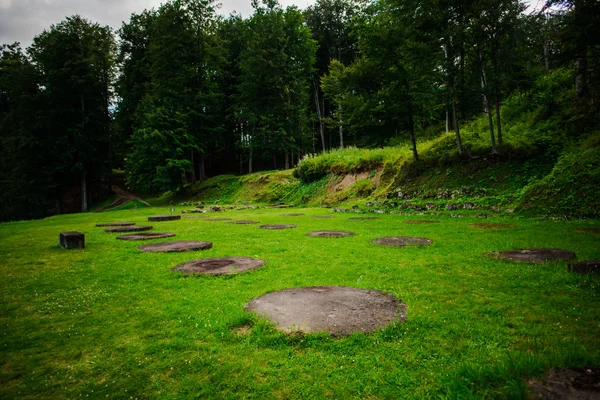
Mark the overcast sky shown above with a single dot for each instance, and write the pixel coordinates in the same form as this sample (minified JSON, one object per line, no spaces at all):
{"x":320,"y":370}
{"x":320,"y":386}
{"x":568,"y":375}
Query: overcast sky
{"x":21,"y":20}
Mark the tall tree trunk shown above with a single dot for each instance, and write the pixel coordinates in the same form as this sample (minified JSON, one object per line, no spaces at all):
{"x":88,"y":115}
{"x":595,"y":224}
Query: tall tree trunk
{"x":581,"y":49}
{"x":274,"y":160}
{"x":341,"y":127}
{"x":201,"y":169}
{"x":411,"y":123}
{"x":193,"y":166}
{"x":448,"y":119}
{"x":486,"y":106}
{"x":498,"y":119}
{"x":319,"y":114}
{"x":456,"y":128}
{"x":84,"y":203}
{"x":241,"y":163}
{"x":250,"y":161}
{"x":287,"y":160}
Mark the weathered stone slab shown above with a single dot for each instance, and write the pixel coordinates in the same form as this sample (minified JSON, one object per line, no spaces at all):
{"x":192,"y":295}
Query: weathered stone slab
{"x":71,"y":240}
{"x":176,"y":246}
{"x":219,"y":266}
{"x":420,"y":221}
{"x":333,"y":234}
{"x":291,"y":215}
{"x":568,"y":384}
{"x":135,"y":228}
{"x":146,"y":236}
{"x":402,"y":241}
{"x":539,"y":255}
{"x":338,"y":310}
{"x":585,"y":267}
{"x":362,"y":218}
{"x":277,"y":226}
{"x":159,"y":218}
{"x":243,"y":222}
{"x":115,"y":224}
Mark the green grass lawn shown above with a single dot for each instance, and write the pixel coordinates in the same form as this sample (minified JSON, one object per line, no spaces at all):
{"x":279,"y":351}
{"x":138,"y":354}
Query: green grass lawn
{"x":112,"y":322}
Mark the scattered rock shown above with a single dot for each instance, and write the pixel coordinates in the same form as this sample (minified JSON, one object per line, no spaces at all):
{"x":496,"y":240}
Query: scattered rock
{"x":431,"y":206}
{"x":176,"y":246}
{"x":402,"y":241}
{"x":219,"y":266}
{"x":215,"y":208}
{"x":338,"y":310}
{"x":469,"y":206}
{"x":451,"y":206}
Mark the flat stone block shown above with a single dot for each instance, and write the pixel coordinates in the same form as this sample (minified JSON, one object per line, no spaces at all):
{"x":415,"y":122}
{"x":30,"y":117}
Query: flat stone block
{"x":71,"y":240}
{"x":585,"y":267}
{"x":158,"y":218}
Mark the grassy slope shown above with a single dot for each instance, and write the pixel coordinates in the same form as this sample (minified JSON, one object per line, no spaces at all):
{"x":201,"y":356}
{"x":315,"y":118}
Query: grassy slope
{"x":110,"y":321}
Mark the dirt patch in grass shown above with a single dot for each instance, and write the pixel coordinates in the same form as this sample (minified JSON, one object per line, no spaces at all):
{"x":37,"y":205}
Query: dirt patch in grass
{"x":421,"y":221}
{"x":334,"y":234}
{"x":243,"y":330}
{"x":362,"y":218}
{"x":138,"y":228}
{"x":219,"y":266}
{"x":176,"y":246}
{"x":338,"y":310}
{"x":146,"y":236}
{"x":158,"y":218}
{"x":277,"y":226}
{"x":587,"y":230}
{"x":115,"y":224}
{"x":402,"y":241}
{"x":568,"y":384}
{"x":491,"y":226}
{"x":243,"y":222}
{"x":540,"y":255}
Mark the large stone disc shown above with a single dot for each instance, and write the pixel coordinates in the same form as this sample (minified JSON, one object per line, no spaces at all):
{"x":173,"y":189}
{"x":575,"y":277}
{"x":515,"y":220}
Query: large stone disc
{"x":176,"y":246}
{"x":135,"y":228}
{"x":334,"y":234}
{"x":421,"y":221}
{"x":277,"y":226}
{"x":243,"y":222}
{"x":402,"y":241}
{"x":158,"y":218}
{"x":219,"y":266}
{"x":291,"y":215}
{"x":146,"y":236}
{"x":491,"y":226}
{"x":540,"y":255}
{"x":115,"y":224}
{"x":218,"y":219}
{"x":322,"y":216}
{"x":362,"y":218}
{"x":338,"y":310}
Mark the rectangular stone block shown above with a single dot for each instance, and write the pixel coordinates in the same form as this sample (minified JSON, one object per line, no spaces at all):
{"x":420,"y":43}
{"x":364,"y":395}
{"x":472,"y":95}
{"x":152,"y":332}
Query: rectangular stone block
{"x":72,"y":240}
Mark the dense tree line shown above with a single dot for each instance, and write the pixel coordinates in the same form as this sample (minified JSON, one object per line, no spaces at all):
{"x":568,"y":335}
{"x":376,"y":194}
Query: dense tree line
{"x":179,"y":93}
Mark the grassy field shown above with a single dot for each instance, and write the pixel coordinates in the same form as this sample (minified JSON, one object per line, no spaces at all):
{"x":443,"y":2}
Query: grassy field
{"x":112,"y":322}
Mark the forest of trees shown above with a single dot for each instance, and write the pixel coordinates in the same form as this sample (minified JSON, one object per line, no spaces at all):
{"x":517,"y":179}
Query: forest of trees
{"x":179,"y":93}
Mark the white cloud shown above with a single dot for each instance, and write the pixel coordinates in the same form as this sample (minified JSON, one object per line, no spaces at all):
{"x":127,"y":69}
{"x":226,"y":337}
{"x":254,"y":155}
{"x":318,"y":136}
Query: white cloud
{"x":22,"y":20}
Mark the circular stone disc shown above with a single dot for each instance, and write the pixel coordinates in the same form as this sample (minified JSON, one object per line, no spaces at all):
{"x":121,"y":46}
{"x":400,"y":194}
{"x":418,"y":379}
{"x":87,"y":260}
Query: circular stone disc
{"x":146,"y":236}
{"x":587,"y":230}
{"x":362,"y":218}
{"x":194,"y":216}
{"x":334,"y":234}
{"x":338,"y":310}
{"x":243,"y":222}
{"x":402,"y":241}
{"x":219,"y":266}
{"x":277,"y":226}
{"x":421,"y":221}
{"x":491,"y":226}
{"x":291,"y":215}
{"x":181,"y":245}
{"x":218,"y":219}
{"x":164,"y":218}
{"x":322,"y":216}
{"x":116,"y":224}
{"x":536,"y":255}
{"x":138,"y":228}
